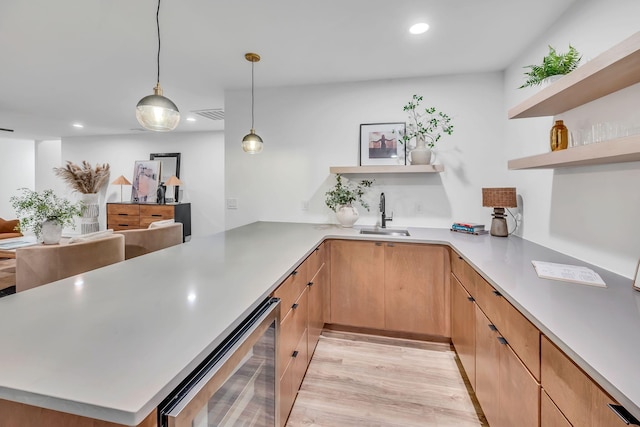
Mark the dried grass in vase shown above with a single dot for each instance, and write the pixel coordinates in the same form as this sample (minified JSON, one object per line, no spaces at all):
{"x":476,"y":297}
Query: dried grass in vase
{"x":84,"y":179}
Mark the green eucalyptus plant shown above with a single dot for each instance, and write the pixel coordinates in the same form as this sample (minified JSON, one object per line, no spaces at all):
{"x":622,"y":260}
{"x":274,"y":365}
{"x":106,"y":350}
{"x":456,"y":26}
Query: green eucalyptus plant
{"x":347,"y":193}
{"x":429,"y":124}
{"x":34,"y":208}
{"x":553,"y":64}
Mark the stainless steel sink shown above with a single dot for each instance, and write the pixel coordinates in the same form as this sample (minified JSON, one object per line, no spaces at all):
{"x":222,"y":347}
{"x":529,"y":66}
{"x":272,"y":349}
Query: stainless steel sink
{"x":385,"y":231}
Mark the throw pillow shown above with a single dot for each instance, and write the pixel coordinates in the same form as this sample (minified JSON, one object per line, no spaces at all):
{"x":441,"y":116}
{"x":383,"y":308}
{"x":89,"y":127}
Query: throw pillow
{"x":91,"y":236}
{"x":163,"y":223}
{"x":8,"y":226}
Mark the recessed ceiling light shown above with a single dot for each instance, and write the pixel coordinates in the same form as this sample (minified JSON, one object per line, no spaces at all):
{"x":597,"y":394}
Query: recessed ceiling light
{"x":77,"y":125}
{"x":191,"y":119}
{"x":419,"y":28}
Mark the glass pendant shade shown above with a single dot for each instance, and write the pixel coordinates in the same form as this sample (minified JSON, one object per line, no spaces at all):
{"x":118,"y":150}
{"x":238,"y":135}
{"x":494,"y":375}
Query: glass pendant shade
{"x":156,"y":112}
{"x":252,"y":143}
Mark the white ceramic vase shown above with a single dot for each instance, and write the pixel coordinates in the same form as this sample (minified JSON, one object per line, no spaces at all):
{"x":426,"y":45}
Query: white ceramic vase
{"x":347,"y":215}
{"x":51,"y":232}
{"x":421,"y":155}
{"x":89,"y":219}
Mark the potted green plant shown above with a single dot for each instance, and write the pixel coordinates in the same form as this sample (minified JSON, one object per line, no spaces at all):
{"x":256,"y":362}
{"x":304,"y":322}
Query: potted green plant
{"x":426,"y":127}
{"x":554,"y":64}
{"x":341,"y":197}
{"x":45,"y":213}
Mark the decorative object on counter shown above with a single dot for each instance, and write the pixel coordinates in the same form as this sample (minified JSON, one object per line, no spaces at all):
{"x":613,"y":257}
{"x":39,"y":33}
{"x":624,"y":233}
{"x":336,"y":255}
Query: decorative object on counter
{"x":559,"y":137}
{"x":174,"y":182}
{"x":380,"y":144}
{"x":554,"y":64}
{"x":341,"y":197}
{"x":169,"y":166}
{"x":499,"y":199}
{"x":426,"y":128}
{"x":121,"y":180}
{"x":87,"y":181}
{"x":156,"y":112}
{"x":146,"y":179}
{"x":45,"y":214}
{"x":252,"y":143}
{"x":636,"y":278}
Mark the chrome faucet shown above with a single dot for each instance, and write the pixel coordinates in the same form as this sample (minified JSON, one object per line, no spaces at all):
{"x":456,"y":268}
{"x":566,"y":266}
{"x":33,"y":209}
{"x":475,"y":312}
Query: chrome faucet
{"x":383,"y":222}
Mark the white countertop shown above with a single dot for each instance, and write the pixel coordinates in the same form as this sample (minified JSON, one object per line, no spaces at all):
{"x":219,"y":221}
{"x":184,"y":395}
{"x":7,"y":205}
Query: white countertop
{"x":114,"y":346}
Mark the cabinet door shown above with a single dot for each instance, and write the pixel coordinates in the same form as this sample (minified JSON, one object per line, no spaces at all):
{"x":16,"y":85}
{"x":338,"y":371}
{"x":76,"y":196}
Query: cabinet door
{"x":317,"y":287}
{"x":550,"y":415}
{"x":415,"y":297}
{"x":487,"y":367}
{"x":519,"y":392}
{"x":463,"y":328}
{"x":357,"y":284}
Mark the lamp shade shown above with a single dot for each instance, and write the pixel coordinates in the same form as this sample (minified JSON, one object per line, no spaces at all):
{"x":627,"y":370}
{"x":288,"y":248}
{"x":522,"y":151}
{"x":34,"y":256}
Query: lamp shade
{"x":173,"y":180}
{"x":252,"y":143}
{"x":156,"y":112}
{"x":121,"y":180}
{"x":504,"y":197}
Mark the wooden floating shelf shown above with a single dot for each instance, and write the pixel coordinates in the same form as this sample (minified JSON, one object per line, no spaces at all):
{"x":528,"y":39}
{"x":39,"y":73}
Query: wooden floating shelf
{"x":387,"y":169}
{"x":614,"y":69}
{"x":619,"y":150}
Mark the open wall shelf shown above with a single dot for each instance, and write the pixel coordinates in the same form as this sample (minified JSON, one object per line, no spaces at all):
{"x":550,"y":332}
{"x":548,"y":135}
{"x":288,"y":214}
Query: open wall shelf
{"x":386,"y":169}
{"x":615,"y":151}
{"x":614,"y":69}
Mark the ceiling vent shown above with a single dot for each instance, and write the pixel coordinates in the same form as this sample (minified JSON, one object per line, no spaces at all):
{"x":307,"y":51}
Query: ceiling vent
{"x":211,"y":114}
{"x":6,"y":130}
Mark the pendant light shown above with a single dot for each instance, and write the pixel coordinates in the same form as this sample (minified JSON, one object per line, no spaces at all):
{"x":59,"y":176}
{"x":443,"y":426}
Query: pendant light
{"x":155,"y":112}
{"x":252,"y":143}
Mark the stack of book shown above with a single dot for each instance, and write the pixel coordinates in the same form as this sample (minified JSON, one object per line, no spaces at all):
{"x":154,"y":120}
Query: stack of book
{"x":468,"y":227}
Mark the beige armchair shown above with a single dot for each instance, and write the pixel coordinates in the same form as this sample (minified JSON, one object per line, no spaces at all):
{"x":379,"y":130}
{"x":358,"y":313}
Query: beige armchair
{"x":42,"y":264}
{"x":144,"y":241}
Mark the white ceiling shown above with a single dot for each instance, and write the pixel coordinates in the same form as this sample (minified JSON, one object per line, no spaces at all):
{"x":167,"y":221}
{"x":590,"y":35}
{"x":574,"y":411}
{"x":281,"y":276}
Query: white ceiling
{"x":90,"y":61}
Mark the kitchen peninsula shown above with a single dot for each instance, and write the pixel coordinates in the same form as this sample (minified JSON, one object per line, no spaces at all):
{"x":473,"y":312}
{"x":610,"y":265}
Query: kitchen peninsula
{"x":112,"y":343}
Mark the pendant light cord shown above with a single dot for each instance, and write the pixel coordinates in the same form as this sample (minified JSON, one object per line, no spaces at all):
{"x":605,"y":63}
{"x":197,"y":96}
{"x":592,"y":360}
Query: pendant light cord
{"x":252,"y":64}
{"x":158,"y":27}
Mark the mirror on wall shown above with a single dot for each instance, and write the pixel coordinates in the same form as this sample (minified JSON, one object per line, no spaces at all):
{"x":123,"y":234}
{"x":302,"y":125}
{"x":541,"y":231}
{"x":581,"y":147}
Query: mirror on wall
{"x":170,"y":165}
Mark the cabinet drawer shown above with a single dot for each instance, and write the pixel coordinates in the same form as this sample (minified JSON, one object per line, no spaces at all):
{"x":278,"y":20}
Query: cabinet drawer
{"x":123,"y":210}
{"x":124,"y":220}
{"x":289,"y":291}
{"x":579,"y":398}
{"x":550,"y":415}
{"x":315,"y":261}
{"x":523,"y":337}
{"x":491,"y":302}
{"x":157,"y":211}
{"x":292,"y":328}
{"x":287,"y":394}
{"x":133,"y":225}
{"x":463,"y":272}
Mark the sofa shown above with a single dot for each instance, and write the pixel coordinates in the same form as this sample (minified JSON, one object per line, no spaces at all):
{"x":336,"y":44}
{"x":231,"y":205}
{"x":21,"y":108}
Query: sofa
{"x":8,"y":228}
{"x":143,"y":241}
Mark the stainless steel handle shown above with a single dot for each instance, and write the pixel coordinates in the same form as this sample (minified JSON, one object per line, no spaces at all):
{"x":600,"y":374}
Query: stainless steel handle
{"x":493,"y":327}
{"x":294,"y":306}
{"x":502,"y":341}
{"x":472,"y":299}
{"x":623,"y":414}
{"x":496,"y":293}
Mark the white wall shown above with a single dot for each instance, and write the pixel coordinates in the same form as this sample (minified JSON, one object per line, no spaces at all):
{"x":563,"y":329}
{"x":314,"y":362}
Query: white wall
{"x":201,"y":168}
{"x":16,"y":171}
{"x":587,"y":212}
{"x":48,"y":156}
{"x":307,"y":129}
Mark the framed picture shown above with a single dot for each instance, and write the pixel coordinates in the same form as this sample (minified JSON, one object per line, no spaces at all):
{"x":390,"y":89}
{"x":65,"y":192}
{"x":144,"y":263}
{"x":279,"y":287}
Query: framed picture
{"x":146,"y":178}
{"x":380,"y":144}
{"x":169,"y":166}
{"x":636,"y":278}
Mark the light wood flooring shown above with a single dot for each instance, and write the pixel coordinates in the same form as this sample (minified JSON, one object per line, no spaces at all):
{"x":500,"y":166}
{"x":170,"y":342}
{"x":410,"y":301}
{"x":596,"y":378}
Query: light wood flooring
{"x":362,"y":380}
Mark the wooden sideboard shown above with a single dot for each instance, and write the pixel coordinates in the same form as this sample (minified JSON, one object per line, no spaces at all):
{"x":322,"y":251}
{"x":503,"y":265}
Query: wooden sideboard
{"x":130,"y":216}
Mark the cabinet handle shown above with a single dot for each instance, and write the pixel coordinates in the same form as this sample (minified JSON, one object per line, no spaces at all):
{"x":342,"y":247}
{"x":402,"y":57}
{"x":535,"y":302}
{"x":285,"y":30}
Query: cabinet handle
{"x":472,"y":299}
{"x":391,"y":245}
{"x":502,"y":341}
{"x":295,"y":353}
{"x":623,"y":414}
{"x":294,"y":306}
{"x":496,"y":293}
{"x":310,"y":284}
{"x":123,"y":214}
{"x":156,"y":214}
{"x":493,"y":327}
{"x":459,"y":257}
{"x":316,"y":249}
{"x":294,"y":272}
{"x":378,"y":244}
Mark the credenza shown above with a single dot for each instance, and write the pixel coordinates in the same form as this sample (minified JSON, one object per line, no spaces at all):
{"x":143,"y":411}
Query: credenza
{"x":130,"y":216}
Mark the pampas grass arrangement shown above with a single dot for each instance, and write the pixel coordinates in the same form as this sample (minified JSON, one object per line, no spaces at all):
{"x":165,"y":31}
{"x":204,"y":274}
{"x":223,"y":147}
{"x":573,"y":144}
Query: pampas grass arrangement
{"x":84,"y":179}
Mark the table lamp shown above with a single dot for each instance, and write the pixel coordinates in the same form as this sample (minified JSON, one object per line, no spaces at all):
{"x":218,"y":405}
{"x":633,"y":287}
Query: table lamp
{"x":498,"y":199}
{"x":173,"y":181}
{"x":121,"y":180}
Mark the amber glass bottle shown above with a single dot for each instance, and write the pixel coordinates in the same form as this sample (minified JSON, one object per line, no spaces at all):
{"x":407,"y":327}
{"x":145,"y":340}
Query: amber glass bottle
{"x":559,"y":136}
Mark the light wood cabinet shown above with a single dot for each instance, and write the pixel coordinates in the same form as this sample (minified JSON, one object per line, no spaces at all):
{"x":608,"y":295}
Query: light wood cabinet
{"x":317,"y":288}
{"x":463,"y":328}
{"x":577,"y":396}
{"x":416,"y":295}
{"x":487,"y":366}
{"x":357,"y":283}
{"x":131,"y":216}
{"x":550,"y":415}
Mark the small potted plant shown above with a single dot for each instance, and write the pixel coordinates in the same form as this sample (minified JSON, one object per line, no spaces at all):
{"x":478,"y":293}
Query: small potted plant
{"x":426,"y":127}
{"x":554,"y":64}
{"x":45,"y":214}
{"x":341,"y":197}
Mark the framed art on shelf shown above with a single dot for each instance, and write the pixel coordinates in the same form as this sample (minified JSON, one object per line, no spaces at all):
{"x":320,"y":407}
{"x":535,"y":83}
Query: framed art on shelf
{"x":146,"y":178}
{"x":380,"y":144}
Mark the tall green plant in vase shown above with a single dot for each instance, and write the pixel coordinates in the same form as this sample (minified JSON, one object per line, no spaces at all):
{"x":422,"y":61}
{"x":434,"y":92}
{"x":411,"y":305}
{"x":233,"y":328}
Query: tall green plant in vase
{"x":426,"y":126}
{"x":341,"y":197}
